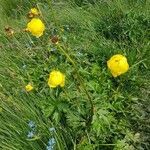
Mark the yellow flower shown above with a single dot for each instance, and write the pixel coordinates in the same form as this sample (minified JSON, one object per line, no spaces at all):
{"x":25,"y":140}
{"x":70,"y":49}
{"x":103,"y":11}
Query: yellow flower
{"x":29,"y":87}
{"x":56,"y":78}
{"x":34,"y":11}
{"x":36,"y":27}
{"x":118,"y":65}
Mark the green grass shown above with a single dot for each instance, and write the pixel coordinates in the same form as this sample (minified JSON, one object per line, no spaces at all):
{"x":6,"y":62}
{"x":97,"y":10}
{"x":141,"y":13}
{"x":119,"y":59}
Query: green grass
{"x":93,"y":32}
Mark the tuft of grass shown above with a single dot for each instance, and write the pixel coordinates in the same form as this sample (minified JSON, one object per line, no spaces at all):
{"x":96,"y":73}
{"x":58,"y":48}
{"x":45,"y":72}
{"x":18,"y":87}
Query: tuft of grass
{"x":89,"y":32}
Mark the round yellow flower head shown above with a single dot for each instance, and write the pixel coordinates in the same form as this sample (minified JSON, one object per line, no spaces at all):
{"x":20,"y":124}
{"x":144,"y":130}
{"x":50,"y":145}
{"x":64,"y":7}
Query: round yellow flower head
{"x":34,"y":11}
{"x":56,"y":78}
{"x":118,"y":65}
{"x":29,"y":87}
{"x":36,"y":27}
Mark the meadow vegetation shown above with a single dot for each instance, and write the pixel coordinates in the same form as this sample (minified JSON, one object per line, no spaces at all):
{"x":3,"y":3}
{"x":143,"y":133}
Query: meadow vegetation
{"x":93,"y":110}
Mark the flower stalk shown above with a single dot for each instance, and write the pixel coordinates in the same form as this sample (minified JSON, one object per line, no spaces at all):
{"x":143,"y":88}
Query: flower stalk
{"x":89,"y":121}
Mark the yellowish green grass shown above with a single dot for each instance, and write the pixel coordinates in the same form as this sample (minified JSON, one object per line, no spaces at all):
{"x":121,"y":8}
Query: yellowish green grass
{"x":94,"y":110}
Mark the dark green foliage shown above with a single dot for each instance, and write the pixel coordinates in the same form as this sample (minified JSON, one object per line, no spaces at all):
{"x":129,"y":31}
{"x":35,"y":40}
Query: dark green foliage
{"x":90,"y":32}
{"x":16,"y":8}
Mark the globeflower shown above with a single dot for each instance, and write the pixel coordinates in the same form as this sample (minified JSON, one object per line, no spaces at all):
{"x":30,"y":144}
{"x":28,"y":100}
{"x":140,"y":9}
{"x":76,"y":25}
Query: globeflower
{"x":56,"y":78}
{"x":118,"y":65}
{"x":33,"y":13}
{"x":29,"y":87}
{"x":36,"y":27}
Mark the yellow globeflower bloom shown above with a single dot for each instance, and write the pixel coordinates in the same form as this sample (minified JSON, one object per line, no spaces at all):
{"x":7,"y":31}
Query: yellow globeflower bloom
{"x":29,"y":87}
{"x":56,"y":78}
{"x":34,"y":11}
{"x":118,"y":65}
{"x":36,"y":27}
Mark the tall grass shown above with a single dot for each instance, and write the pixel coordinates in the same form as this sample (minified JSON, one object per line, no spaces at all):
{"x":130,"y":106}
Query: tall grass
{"x":90,"y":33}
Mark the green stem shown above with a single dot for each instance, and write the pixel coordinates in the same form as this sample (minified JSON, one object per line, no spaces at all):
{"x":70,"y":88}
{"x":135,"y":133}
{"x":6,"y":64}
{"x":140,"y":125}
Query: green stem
{"x":137,"y":63}
{"x":81,"y":83}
